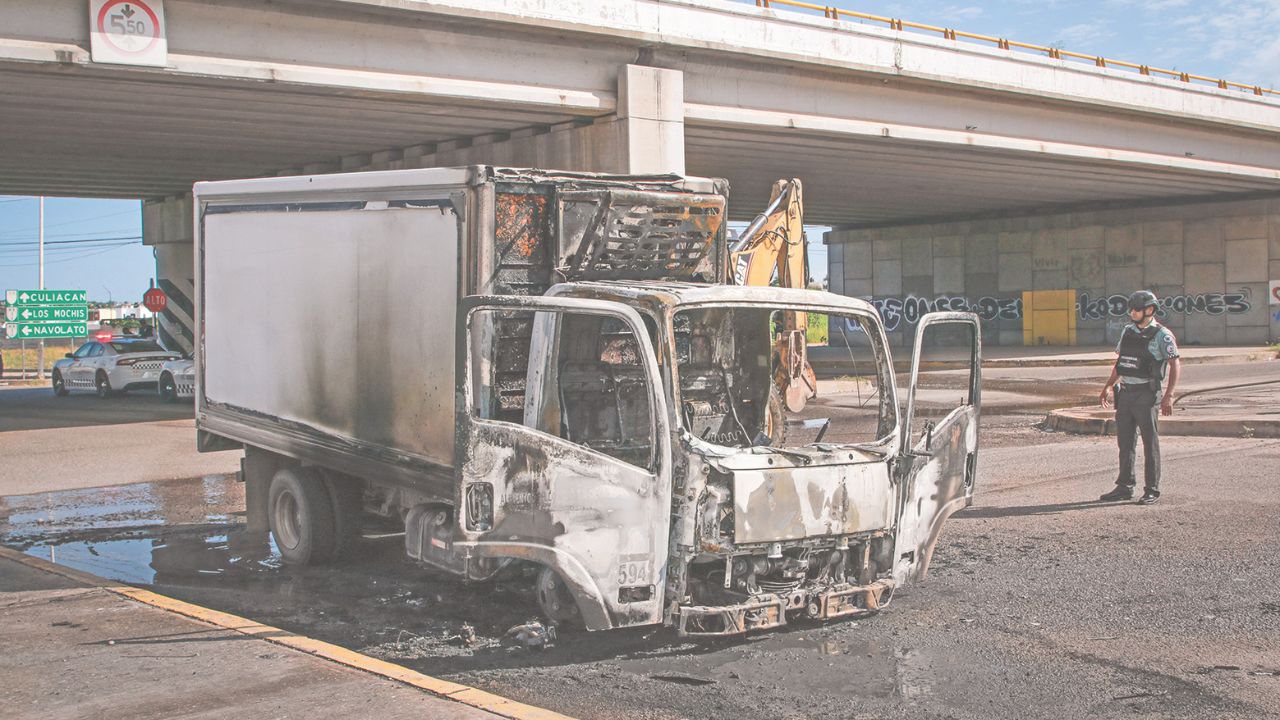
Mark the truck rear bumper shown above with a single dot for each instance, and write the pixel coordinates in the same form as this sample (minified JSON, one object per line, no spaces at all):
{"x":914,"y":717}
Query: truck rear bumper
{"x":770,"y":611}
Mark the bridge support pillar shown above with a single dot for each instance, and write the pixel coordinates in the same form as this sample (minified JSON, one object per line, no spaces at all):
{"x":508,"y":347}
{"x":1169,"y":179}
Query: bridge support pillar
{"x":651,"y":119}
{"x":166,"y":226}
{"x":644,"y":136}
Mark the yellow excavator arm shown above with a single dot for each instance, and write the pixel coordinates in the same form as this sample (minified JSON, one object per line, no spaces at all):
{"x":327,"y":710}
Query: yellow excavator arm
{"x":774,"y":245}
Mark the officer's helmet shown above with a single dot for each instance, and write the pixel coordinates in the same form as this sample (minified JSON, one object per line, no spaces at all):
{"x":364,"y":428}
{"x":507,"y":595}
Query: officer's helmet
{"x":1142,"y":300}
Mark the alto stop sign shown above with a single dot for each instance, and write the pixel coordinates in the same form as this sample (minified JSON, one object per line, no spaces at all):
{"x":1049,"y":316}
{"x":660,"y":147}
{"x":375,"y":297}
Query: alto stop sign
{"x":155,"y":300}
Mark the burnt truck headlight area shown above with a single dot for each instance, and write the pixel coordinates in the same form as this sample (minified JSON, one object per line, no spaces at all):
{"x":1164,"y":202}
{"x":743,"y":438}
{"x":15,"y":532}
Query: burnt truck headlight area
{"x":479,"y":498}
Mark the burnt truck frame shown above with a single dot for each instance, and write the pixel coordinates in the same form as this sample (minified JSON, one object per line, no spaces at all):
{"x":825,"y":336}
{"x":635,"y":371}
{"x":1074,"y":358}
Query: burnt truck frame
{"x":502,"y":363}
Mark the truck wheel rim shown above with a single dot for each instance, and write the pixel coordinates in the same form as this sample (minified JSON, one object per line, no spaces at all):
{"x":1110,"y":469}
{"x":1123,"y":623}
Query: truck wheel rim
{"x":288,"y":520}
{"x":553,"y":597}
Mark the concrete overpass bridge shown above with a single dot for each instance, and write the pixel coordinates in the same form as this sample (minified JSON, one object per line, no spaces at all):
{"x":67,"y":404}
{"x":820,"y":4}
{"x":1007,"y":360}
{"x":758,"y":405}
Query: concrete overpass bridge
{"x":901,"y":137}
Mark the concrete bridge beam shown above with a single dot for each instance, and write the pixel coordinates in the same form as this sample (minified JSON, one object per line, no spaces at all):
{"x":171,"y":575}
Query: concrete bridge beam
{"x":645,"y":135}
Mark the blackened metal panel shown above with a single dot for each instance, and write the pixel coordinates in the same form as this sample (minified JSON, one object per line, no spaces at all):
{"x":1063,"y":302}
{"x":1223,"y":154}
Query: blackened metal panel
{"x":631,"y":234}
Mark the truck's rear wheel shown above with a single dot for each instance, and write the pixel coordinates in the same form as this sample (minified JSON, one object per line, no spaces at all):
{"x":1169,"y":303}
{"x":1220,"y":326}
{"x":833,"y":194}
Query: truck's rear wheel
{"x":301,"y":516}
{"x":555,"y":599}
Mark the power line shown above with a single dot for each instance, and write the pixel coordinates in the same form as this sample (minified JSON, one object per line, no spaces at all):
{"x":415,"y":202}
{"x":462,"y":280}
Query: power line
{"x":63,"y":260}
{"x":91,"y":233}
{"x":65,"y":250}
{"x":30,"y":244}
{"x":71,"y":222}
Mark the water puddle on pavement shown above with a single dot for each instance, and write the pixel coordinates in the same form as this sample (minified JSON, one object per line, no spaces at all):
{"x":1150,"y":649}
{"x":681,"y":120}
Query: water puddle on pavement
{"x":147,"y":533}
{"x":186,"y":539}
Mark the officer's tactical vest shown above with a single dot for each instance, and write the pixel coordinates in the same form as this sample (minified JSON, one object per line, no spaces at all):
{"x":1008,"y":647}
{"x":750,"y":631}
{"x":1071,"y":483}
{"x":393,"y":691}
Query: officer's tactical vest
{"x":1136,"y":360}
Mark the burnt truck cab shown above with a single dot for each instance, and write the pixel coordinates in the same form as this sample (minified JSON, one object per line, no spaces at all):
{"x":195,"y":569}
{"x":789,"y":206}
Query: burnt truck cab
{"x":646,"y":461}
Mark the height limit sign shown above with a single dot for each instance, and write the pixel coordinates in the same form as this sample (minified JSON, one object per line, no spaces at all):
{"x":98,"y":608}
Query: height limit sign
{"x":128,"y":32}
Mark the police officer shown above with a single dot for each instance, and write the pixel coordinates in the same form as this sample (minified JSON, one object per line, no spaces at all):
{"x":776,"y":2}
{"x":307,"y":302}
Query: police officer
{"x":1147,"y":352}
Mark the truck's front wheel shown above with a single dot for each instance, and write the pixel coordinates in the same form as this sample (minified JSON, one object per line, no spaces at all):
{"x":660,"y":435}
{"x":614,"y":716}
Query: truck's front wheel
{"x":301,"y":516}
{"x":555,"y":599}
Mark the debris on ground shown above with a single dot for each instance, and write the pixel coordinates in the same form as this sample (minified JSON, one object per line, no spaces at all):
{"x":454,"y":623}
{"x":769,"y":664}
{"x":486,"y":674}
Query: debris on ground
{"x":533,"y":634}
{"x":466,"y":636}
{"x":442,"y":641}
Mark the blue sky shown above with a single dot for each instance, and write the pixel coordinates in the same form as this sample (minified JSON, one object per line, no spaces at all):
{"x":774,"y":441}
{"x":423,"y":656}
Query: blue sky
{"x":91,"y":245}
{"x":1238,"y":40}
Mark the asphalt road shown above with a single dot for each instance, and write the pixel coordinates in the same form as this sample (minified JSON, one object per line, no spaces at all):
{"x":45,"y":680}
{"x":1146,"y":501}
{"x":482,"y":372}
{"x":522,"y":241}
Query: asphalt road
{"x":1041,"y":603}
{"x":78,"y":441}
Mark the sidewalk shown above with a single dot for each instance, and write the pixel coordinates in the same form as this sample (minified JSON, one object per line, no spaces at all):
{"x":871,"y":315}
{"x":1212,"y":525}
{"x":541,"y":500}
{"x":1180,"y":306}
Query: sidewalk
{"x":76,"y":647}
{"x":1248,"y":412}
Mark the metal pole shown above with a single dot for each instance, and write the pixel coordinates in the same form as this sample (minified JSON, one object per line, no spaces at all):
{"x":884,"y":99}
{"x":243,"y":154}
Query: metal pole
{"x":40,"y":351}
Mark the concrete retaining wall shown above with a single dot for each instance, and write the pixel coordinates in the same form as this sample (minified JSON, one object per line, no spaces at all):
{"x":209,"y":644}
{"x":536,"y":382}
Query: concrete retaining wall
{"x":1209,"y":262}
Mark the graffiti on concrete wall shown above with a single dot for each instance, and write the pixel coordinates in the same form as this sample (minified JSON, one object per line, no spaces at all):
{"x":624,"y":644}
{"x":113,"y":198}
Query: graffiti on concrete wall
{"x":899,"y":311}
{"x":1215,"y":303}
{"x":895,"y":311}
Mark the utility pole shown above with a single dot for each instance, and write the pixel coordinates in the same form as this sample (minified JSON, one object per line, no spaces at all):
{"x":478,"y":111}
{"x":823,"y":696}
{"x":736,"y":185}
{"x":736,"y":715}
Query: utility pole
{"x":40,"y":351}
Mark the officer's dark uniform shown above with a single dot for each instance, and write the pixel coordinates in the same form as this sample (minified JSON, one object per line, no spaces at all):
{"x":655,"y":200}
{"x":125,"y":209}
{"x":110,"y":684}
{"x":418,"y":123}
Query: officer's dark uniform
{"x":1143,"y":359}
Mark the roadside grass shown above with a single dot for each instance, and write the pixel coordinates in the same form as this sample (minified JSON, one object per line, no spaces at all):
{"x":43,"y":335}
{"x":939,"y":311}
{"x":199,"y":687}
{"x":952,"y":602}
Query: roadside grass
{"x":16,"y":357}
{"x":817,"y":332}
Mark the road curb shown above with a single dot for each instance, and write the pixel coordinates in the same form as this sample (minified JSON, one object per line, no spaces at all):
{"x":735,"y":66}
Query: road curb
{"x":1089,"y":421}
{"x":819,"y":361}
{"x":455,"y":692}
{"x":1259,"y":356}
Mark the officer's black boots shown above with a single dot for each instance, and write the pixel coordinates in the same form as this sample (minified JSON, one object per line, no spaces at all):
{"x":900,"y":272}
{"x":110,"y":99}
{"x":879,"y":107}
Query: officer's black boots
{"x":1149,"y":498}
{"x":1121,"y":492}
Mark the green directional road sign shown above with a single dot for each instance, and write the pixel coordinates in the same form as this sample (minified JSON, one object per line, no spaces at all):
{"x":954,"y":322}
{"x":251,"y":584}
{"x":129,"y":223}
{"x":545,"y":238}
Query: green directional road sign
{"x":46,"y":297}
{"x":44,"y":313}
{"x":45,"y":331}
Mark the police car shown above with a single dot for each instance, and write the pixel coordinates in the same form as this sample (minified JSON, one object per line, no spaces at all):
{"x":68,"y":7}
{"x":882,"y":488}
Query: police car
{"x":111,"y":365}
{"x":177,"y":380}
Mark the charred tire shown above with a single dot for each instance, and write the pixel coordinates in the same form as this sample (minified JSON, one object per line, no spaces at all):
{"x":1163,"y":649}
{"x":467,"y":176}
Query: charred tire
{"x":555,"y":599}
{"x":301,"y":516}
{"x":103,"y":385}
{"x":168,"y":388}
{"x":59,"y":385}
{"x":346,"y":497}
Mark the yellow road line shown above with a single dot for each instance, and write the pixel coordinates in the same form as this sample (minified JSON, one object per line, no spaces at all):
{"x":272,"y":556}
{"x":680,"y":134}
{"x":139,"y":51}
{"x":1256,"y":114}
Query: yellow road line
{"x":456,"y":692}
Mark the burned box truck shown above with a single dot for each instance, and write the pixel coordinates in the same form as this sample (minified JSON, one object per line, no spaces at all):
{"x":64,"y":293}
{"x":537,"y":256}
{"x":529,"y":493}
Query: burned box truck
{"x":552,"y":370}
